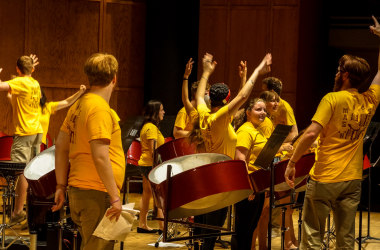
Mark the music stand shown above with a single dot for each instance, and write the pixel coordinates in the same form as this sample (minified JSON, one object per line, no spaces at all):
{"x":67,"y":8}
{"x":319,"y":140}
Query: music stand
{"x":369,"y":139}
{"x":265,"y":161}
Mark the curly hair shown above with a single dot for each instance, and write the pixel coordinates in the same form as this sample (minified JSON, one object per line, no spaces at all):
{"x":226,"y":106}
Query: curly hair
{"x":274,"y":84}
{"x":218,"y":92}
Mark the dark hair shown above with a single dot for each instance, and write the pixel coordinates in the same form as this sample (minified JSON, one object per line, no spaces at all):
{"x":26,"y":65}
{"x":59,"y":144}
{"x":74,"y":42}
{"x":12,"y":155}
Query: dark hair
{"x":242,"y":118}
{"x":151,"y":112}
{"x":268,"y":96}
{"x":358,"y":69}
{"x":100,"y":69}
{"x":25,"y":65}
{"x":274,"y":84}
{"x":43,"y":98}
{"x":218,"y":92}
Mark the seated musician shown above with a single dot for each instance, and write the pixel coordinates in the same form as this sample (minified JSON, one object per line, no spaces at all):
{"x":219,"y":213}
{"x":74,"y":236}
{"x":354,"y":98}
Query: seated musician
{"x":90,"y":138}
{"x":250,"y":142}
{"x":341,"y":120}
{"x":188,"y":114}
{"x":214,"y":128}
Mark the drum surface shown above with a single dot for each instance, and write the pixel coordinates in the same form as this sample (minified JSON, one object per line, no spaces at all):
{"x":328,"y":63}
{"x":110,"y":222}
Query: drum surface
{"x":175,"y":148}
{"x":200,"y":183}
{"x":40,"y":173}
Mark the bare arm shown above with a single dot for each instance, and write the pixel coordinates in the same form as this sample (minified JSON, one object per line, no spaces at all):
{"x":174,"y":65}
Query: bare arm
{"x":70,"y":100}
{"x":208,"y":68}
{"x":3,"y":85}
{"x":61,"y":168}
{"x":375,"y":29}
{"x":241,"y":98}
{"x":100,"y":156}
{"x":292,"y":134}
{"x":310,"y":135}
{"x":242,"y":73}
{"x":180,"y":133}
{"x":185,"y":87}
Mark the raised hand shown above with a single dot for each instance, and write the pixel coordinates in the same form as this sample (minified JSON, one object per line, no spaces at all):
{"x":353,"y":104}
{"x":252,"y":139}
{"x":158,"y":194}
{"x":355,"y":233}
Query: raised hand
{"x":82,"y":88}
{"x":189,"y":68}
{"x":265,"y":64}
{"x":243,"y":69}
{"x":375,"y":29}
{"x":208,"y":63}
{"x":35,"y":60}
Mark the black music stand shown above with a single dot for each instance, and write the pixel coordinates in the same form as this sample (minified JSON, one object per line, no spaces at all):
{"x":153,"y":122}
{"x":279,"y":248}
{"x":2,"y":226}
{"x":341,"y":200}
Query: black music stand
{"x":265,"y":161}
{"x":368,"y":141}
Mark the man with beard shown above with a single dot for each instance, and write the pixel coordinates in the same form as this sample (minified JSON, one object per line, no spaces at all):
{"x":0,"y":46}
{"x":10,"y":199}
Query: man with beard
{"x":341,"y":121}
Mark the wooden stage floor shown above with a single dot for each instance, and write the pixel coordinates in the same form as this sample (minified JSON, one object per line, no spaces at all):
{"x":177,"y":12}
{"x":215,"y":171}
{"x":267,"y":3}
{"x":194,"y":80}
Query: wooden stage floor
{"x":136,"y":241}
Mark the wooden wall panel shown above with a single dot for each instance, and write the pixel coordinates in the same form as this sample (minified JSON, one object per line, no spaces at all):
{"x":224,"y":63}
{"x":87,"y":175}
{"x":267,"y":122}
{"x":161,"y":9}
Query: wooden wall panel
{"x":12,"y":43}
{"x":285,"y":49}
{"x":214,"y":39}
{"x":63,"y":34}
{"x":249,"y":41}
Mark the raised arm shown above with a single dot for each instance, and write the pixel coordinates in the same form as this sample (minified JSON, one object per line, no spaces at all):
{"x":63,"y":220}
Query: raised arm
{"x":3,"y":85}
{"x":185,"y":87}
{"x":375,"y":29}
{"x":70,"y":100}
{"x":241,"y":98}
{"x":242,"y":73}
{"x":208,"y":68}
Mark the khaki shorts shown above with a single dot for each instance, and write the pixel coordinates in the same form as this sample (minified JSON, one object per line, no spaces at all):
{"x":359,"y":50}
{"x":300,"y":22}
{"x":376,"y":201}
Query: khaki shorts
{"x":24,"y":148}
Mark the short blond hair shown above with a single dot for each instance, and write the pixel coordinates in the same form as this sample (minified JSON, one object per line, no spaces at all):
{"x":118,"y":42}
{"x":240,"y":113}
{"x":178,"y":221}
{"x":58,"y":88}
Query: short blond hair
{"x":100,"y":69}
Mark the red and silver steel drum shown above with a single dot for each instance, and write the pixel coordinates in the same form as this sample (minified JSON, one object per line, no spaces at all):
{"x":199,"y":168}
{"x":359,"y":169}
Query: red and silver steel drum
{"x":40,"y":174}
{"x":134,"y":153}
{"x":260,"y":179}
{"x":200,"y":183}
{"x":175,"y":148}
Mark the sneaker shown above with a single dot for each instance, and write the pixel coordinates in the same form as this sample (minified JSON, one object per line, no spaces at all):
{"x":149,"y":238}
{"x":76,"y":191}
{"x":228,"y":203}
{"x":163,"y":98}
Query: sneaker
{"x":18,"y":218}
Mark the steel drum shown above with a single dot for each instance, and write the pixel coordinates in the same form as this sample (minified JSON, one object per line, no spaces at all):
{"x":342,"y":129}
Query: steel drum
{"x":260,"y":179}
{"x":200,"y":183}
{"x":40,"y":174}
{"x":175,"y":148}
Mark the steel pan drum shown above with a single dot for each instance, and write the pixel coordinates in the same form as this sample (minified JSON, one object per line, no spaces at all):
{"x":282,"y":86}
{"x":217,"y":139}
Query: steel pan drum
{"x":200,"y":183}
{"x":260,"y":179}
{"x":40,"y":174}
{"x":175,"y":148}
{"x":134,"y":153}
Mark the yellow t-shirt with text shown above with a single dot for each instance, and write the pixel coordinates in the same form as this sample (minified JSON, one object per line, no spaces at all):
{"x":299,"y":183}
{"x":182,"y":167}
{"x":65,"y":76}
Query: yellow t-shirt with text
{"x":48,"y":110}
{"x":149,"y":132}
{"x":217,"y":132}
{"x":26,"y":95}
{"x":88,"y":119}
{"x":253,"y":140}
{"x":344,"y":116}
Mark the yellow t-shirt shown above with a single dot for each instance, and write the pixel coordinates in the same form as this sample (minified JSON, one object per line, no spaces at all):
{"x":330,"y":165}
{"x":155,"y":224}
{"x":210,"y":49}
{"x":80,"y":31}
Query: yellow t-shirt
{"x":344,"y":116}
{"x":184,"y":121}
{"x":48,"y":110}
{"x":252,"y":139}
{"x":92,"y":118}
{"x":266,"y":127}
{"x":217,"y":132}
{"x":149,"y":132}
{"x":284,"y":114}
{"x":26,"y":95}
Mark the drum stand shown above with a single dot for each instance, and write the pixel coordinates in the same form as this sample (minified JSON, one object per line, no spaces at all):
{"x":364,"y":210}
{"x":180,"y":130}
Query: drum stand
{"x":8,"y":194}
{"x":192,"y":225}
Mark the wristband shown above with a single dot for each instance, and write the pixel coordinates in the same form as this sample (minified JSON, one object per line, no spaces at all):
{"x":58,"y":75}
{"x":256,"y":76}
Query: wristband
{"x":204,"y":78}
{"x":115,"y":201}
{"x":185,"y":78}
{"x":292,"y":162}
